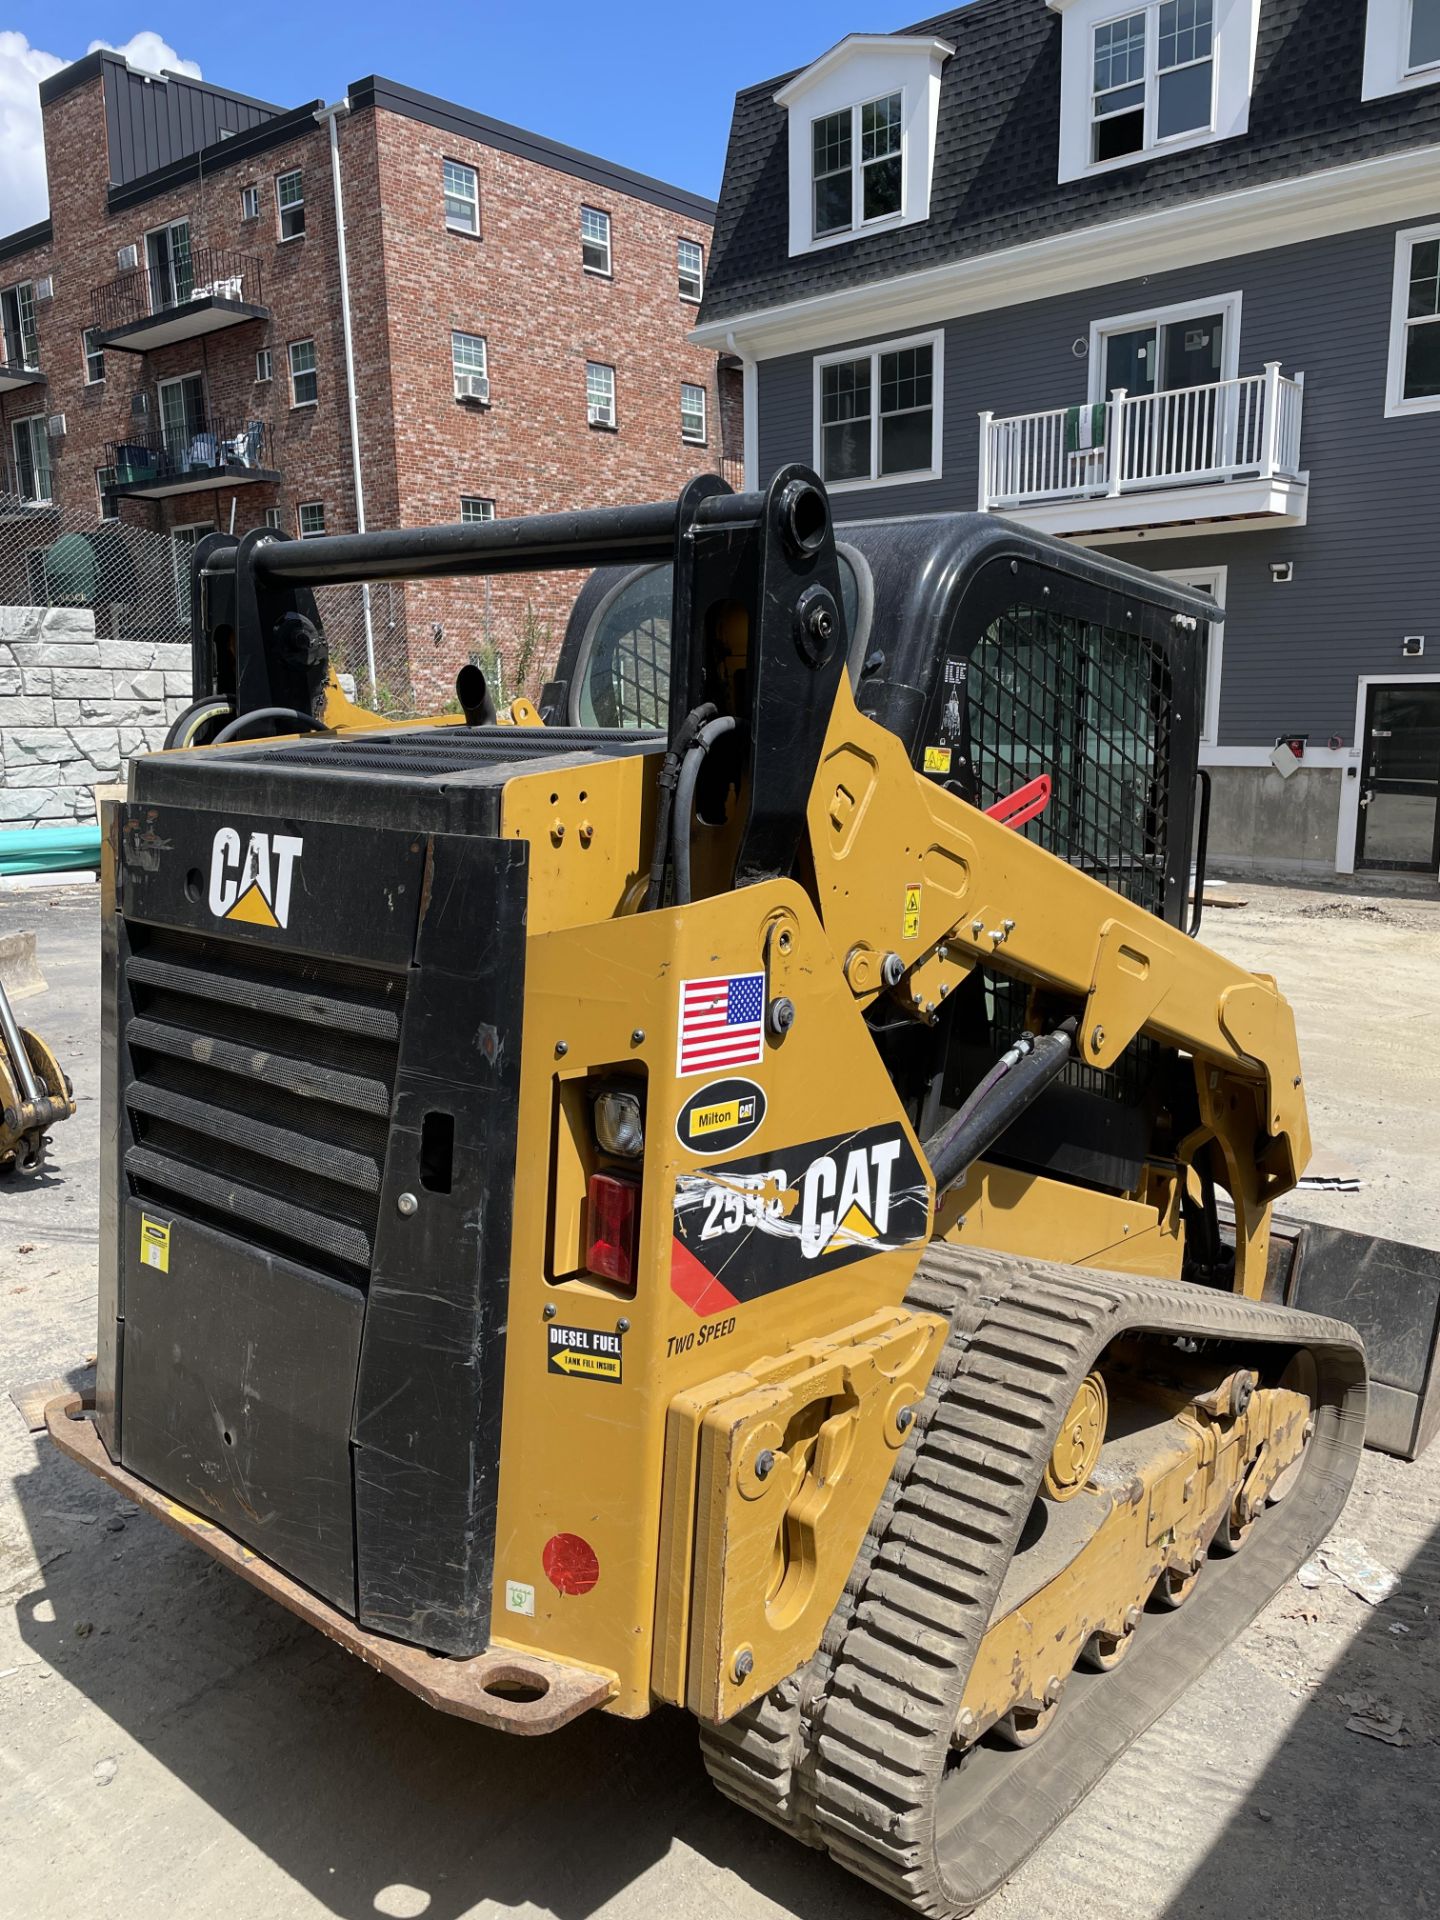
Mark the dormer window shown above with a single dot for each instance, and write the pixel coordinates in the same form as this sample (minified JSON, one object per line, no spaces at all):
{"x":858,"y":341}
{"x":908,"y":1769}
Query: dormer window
{"x":847,"y":195}
{"x":1402,"y":46}
{"x":862,"y":137}
{"x":1154,"y":77}
{"x":1143,"y":80}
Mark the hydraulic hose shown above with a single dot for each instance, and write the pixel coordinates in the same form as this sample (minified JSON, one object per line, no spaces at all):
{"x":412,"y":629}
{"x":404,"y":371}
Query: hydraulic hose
{"x":669,"y":774}
{"x":297,"y":722}
{"x":999,"y":1100}
{"x":712,"y":731}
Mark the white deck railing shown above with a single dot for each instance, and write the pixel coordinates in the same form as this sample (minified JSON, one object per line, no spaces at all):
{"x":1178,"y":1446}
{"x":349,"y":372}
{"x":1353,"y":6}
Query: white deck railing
{"x":1219,"y":432}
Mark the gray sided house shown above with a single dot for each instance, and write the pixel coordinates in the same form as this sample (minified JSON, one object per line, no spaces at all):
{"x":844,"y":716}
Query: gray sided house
{"x":1161,"y":276}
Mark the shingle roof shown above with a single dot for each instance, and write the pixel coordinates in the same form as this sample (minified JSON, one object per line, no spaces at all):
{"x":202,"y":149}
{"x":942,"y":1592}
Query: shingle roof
{"x":997,"y":150}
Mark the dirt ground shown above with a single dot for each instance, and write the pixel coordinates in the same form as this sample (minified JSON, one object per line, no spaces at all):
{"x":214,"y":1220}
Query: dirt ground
{"x":172,"y":1743}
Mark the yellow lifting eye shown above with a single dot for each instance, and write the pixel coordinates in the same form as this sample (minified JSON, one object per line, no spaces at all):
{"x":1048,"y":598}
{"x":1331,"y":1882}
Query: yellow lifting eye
{"x":1081,"y":1436}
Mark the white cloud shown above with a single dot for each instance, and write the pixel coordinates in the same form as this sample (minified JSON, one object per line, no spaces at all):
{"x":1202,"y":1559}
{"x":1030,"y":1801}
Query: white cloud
{"x":23,"y":196}
{"x":149,"y":52}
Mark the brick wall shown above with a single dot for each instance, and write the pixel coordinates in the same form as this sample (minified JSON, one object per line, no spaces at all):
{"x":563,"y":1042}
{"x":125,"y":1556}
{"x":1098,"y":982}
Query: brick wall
{"x":520,"y":284}
{"x":74,"y":709}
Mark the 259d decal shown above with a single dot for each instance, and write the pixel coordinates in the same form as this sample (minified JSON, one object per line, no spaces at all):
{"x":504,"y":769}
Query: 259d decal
{"x":758,"y":1225}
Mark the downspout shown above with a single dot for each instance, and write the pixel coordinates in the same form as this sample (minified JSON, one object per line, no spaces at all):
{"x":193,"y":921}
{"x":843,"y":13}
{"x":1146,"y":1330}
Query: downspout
{"x":331,"y":116}
{"x":750,"y":415}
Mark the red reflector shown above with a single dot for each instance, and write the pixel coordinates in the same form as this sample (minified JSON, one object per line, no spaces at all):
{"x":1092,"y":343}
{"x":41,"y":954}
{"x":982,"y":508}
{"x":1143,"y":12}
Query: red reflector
{"x":571,"y":1564}
{"x":614,"y":1228}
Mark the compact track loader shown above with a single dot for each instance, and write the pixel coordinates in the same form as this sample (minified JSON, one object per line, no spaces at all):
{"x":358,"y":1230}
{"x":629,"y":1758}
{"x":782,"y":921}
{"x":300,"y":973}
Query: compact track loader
{"x":717,"y":1199}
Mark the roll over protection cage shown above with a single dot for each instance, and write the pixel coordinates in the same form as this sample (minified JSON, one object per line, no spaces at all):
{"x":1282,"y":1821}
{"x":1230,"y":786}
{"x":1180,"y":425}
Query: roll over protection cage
{"x":760,"y":566}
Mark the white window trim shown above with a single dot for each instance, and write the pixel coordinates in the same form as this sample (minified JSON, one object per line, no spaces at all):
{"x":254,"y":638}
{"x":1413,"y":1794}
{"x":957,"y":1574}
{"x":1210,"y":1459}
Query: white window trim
{"x":1228,"y":304}
{"x":702,"y":438}
{"x":865,"y":67}
{"x":1237,"y":27}
{"x":1397,"y":407}
{"x":1214,"y":581}
{"x":690,"y":299}
{"x":179,"y":380}
{"x":283,"y":239}
{"x":290,"y":347}
{"x":321,"y":531}
{"x":607,"y":272}
{"x":1387,"y":52}
{"x":87,"y":355}
{"x":858,"y":223}
{"x":482,"y":499}
{"x":874,"y":349}
{"x":452,"y":226}
{"x":250,"y":191}
{"x":269,"y":373}
{"x":612,"y":424}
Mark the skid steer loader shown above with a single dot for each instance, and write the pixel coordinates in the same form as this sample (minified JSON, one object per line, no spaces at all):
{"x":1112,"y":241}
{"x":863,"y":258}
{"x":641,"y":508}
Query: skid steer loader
{"x":717,"y":1199}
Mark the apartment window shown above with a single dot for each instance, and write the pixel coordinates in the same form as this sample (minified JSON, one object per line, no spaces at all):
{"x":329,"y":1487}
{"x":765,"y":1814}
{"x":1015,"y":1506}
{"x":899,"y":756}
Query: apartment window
{"x":31,"y":441}
{"x":290,"y":199}
{"x":1153,"y":77}
{"x":690,"y":260}
{"x":17,"y":321}
{"x":109,"y":505}
{"x":310,"y":517}
{"x":878,"y":414}
{"x":1209,"y":580}
{"x":273,"y":519}
{"x":474,"y":509}
{"x":594,"y":240}
{"x":692,"y":413}
{"x":1402,"y":46}
{"x":469,"y":365}
{"x":462,"y":198}
{"x":599,"y":394}
{"x":250,"y":203}
{"x":1413,"y":385}
{"x":847,"y":195}
{"x":94,"y":357}
{"x":304,"y":379}
{"x":264,"y":365}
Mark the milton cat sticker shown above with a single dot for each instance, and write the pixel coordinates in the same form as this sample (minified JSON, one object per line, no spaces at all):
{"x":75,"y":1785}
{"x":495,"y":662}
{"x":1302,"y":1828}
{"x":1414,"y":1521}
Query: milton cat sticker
{"x":254,"y":884}
{"x":764,"y":1223}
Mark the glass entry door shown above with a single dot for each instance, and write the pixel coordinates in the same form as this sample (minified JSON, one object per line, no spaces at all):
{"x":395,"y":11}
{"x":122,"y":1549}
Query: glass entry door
{"x":1400,"y":780}
{"x":172,"y":274}
{"x":1168,"y":437}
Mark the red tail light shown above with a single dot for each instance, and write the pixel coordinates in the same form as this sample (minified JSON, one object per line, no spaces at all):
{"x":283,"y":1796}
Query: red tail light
{"x":614,"y":1230}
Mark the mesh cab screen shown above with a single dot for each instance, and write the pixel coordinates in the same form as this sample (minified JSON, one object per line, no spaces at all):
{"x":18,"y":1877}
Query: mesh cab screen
{"x":1091,"y":706}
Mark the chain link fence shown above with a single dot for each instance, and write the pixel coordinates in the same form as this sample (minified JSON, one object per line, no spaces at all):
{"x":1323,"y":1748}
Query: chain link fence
{"x":135,"y":582}
{"x":401,"y":644}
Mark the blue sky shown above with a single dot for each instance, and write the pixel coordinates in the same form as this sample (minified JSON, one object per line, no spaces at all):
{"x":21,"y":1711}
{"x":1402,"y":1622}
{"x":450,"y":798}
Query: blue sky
{"x":648,"y":84}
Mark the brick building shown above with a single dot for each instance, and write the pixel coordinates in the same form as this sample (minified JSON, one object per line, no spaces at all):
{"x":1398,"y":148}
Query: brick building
{"x":175,"y":336}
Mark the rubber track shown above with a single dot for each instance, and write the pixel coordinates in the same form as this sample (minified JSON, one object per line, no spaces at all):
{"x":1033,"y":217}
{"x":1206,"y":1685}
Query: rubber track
{"x":852,"y":1753}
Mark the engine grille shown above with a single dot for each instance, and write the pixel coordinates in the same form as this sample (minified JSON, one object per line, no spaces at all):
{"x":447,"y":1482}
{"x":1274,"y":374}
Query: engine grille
{"x":260,"y":1093}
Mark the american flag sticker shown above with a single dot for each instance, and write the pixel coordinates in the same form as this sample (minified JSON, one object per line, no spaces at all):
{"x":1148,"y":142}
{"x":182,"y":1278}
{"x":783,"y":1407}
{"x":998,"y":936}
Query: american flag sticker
{"x":722,"y":1023}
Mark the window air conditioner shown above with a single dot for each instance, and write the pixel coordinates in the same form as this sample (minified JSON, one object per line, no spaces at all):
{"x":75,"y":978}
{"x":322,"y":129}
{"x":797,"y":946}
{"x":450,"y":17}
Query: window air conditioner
{"x":472,"y":386}
{"x":601,"y":417}
{"x":139,"y":406}
{"x":55,"y":426}
{"x":127,"y":258}
{"x":45,"y":288}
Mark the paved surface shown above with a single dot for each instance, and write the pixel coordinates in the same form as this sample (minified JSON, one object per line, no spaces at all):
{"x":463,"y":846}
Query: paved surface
{"x":171,"y":1743}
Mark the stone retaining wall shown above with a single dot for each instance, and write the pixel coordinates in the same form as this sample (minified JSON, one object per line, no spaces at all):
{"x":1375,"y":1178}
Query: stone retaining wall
{"x":74,"y":708}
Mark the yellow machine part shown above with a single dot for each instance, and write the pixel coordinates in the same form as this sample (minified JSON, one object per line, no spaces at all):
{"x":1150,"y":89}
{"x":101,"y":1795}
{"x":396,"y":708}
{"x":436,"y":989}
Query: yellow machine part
{"x":772,"y":1477}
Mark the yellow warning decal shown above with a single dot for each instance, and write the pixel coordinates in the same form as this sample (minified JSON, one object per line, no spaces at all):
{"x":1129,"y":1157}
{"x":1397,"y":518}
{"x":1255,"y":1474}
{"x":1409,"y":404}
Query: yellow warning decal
{"x":155,"y":1243}
{"x":856,"y":1226}
{"x":252,"y":906}
{"x":910,"y":921}
{"x":937,"y":759}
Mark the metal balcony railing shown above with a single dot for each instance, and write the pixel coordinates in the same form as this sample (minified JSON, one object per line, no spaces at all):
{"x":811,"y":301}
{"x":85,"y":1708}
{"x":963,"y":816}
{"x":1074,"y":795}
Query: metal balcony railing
{"x":22,"y":349}
{"x":1224,"y":431}
{"x":197,"y":274}
{"x":164,"y":455}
